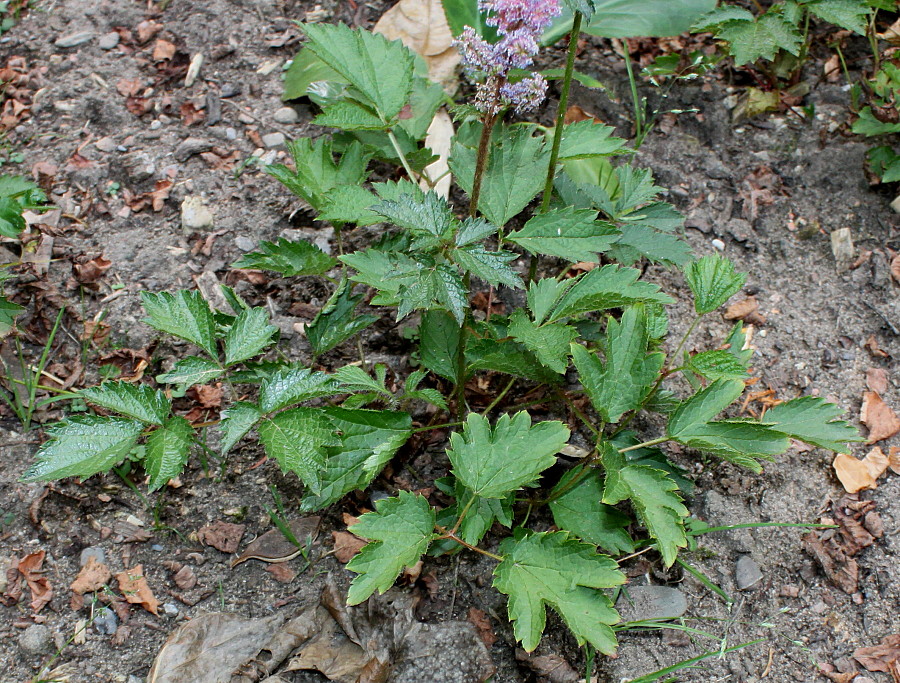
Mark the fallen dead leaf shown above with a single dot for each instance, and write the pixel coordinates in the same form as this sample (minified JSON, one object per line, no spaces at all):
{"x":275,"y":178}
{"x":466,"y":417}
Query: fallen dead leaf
{"x":479,"y":619}
{"x":31,"y":569}
{"x":282,"y":573}
{"x":552,"y":668}
{"x":853,"y":474}
{"x":223,"y":536}
{"x":146,"y":30}
{"x":134,"y":588}
{"x":891,"y":33}
{"x":878,"y":417}
{"x":185,"y":578}
{"x":209,"y":396}
{"x":876,"y":462}
{"x":91,"y":271}
{"x":438,"y":140}
{"x":574,"y":114}
{"x":877,"y":380}
{"x":746,"y":310}
{"x":422,"y":26}
{"x":273,"y":547}
{"x":163,"y":50}
{"x":894,"y":459}
{"x":346,"y":545}
{"x":880,"y":657}
{"x":92,"y":577}
{"x":871,"y":345}
{"x":129,"y":87}
{"x":190,"y":114}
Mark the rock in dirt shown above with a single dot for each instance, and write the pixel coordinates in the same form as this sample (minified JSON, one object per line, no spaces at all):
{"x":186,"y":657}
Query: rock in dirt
{"x":842,"y":248}
{"x":651,"y":602}
{"x":191,"y":146}
{"x":106,"y":622}
{"x":286,"y":115}
{"x":74,"y":39}
{"x":35,"y":639}
{"x":244,"y":243}
{"x":747,"y":573}
{"x":99,"y":554}
{"x":109,"y":41}
{"x":106,"y":144}
{"x":273,"y":139}
{"x":139,"y":166}
{"x":195,"y":214}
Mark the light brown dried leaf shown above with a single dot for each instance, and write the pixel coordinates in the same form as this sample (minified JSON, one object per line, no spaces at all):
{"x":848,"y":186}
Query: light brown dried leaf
{"x":93,"y":577}
{"x":163,"y":50}
{"x":223,"y":536}
{"x":31,"y":569}
{"x":876,"y":462}
{"x":877,"y":380}
{"x":853,"y":474}
{"x":282,"y":573}
{"x":479,"y":619}
{"x":894,"y":459}
{"x":871,"y":345}
{"x":135,"y":589}
{"x":146,"y":30}
{"x":880,"y":657}
{"x":273,"y":547}
{"x":878,"y":417}
{"x":185,"y":578}
{"x":346,"y":545}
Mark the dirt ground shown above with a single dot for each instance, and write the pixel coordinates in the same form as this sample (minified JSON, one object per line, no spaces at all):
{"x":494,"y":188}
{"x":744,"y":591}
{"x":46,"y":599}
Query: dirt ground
{"x":768,"y":192}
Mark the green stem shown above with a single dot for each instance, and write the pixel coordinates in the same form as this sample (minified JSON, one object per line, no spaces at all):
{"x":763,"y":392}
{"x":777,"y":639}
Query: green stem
{"x":484,"y":148}
{"x":462,"y":515}
{"x":396,"y":144}
{"x":499,"y":397}
{"x":639,"y":131}
{"x":430,"y":428}
{"x":447,"y":534}
{"x":645,"y":444}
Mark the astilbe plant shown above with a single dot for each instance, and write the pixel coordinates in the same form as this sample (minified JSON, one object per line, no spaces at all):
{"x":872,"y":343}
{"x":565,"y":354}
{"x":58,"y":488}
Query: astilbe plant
{"x":336,"y":430}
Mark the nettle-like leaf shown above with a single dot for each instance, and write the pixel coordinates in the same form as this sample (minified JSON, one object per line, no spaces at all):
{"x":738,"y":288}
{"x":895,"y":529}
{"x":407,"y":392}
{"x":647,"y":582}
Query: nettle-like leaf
{"x":84,"y":445}
{"x":752,"y":38}
{"x":571,"y":234}
{"x":481,"y":515}
{"x":400,"y":529}
{"x":439,"y":344}
{"x":349,"y":115}
{"x":623,"y":382}
{"x":549,"y":342}
{"x":473,"y":230}
{"x":580,"y":512}
{"x":653,"y":495}
{"x":813,"y":420}
{"x":608,"y":287}
{"x":338,"y":320}
{"x":430,"y":215}
{"x":291,"y":385}
{"x":735,"y":341}
{"x":237,"y":420}
{"x":190,"y":371}
{"x":411,"y":390}
{"x":381,"y":71}
{"x":248,"y":335}
{"x":852,"y":15}
{"x":713,"y":281}
{"x":315,"y":172}
{"x":291,"y":259}
{"x":167,"y":451}
{"x":509,"y":357}
{"x":491,"y":266}
{"x":552,"y":569}
{"x":354,"y":378}
{"x":717,"y":364}
{"x":368,"y":440}
{"x":543,"y":296}
{"x":493,"y":462}
{"x":296,"y":439}
{"x":138,"y":401}
{"x":8,"y":313}
{"x":185,"y":315}
{"x":587,"y":139}
{"x":515,"y":172}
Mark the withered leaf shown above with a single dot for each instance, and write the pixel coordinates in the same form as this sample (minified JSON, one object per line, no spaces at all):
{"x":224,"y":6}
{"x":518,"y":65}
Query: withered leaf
{"x":552,"y":668}
{"x":91,"y":271}
{"x":894,"y":459}
{"x":841,"y":569}
{"x":129,"y":87}
{"x":273,"y":547}
{"x":853,"y":474}
{"x":92,"y":577}
{"x":185,"y":578}
{"x":878,"y":417}
{"x":146,"y":30}
{"x":31,"y":569}
{"x":134,"y":588}
{"x":282,"y":573}
{"x":746,"y":310}
{"x":346,"y":545}
{"x":163,"y":50}
{"x":880,"y":657}
{"x":479,"y":619}
{"x":223,"y":536}
{"x":877,"y":380}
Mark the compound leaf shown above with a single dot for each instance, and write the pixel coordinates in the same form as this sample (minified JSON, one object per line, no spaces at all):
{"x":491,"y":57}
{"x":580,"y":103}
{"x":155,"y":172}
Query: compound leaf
{"x":296,"y":439}
{"x":493,"y":462}
{"x":750,"y":40}
{"x":84,"y":445}
{"x":185,"y":315}
{"x":293,"y":385}
{"x":703,"y":406}
{"x":401,"y":530}
{"x":543,"y":295}
{"x":713,"y":281}
{"x":587,"y":139}
{"x":813,"y":420}
{"x":291,"y":259}
{"x":568,"y":233}
{"x":717,"y":364}
{"x":550,"y":342}
{"x":439,"y":347}
{"x":491,"y":266}
{"x":849,"y":14}
{"x":249,"y":334}
{"x":138,"y":401}
{"x":168,"y":449}
{"x":553,"y":569}
{"x":190,"y":371}
{"x":237,"y":420}
{"x":426,"y":215}
{"x":338,"y":320}
{"x":608,"y":287}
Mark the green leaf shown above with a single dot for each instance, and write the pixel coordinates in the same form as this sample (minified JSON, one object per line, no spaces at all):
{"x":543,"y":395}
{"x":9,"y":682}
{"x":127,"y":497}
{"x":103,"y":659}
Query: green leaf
{"x":306,"y":68}
{"x":368,"y":440}
{"x":190,"y":371}
{"x":168,"y":449}
{"x":814,"y":421}
{"x":543,"y":295}
{"x":355,"y":378}
{"x":439,"y":344}
{"x":84,"y":445}
{"x":349,"y":204}
{"x":720,"y":15}
{"x":550,"y":342}
{"x":249,"y":334}
{"x":870,"y":126}
{"x":291,"y":259}
{"x":473,"y":230}
{"x":704,"y":406}
{"x":653,"y":496}
{"x":315,"y":171}
{"x":580,"y":512}
{"x":716,"y":364}
{"x":509,"y":357}
{"x":493,"y":462}
{"x":634,"y":18}
{"x":623,"y":382}
{"x":237,"y":420}
{"x":380,"y":70}
{"x":296,"y":439}
{"x":608,"y":287}
{"x":338,"y":320}
{"x":401,"y":529}
{"x":11,"y":221}
{"x":587,"y":139}
{"x":552,"y":569}
{"x":139,"y":401}
{"x":429,"y":215}
{"x":751,"y":40}
{"x":292,"y":385}
{"x":491,"y":266}
{"x":639,"y":241}
{"x":852,"y":15}
{"x":349,"y":115}
{"x":713,"y":281}
{"x":185,"y":315}
{"x":481,"y":515}
{"x":571,"y":234}
{"x":515,"y":172}
{"x":8,"y":313}
{"x":736,"y":341}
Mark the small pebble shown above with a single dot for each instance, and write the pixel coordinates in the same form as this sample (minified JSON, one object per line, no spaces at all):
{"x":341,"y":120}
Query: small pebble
{"x":286,"y":115}
{"x":122,"y":148}
{"x":747,"y":573}
{"x":268,"y":158}
{"x":231,"y":133}
{"x":106,"y":622}
{"x":156,"y":124}
{"x":195,"y":215}
{"x":652,"y":602}
{"x":229,"y":90}
{"x":189,"y":147}
{"x":35,"y":639}
{"x":273,"y":139}
{"x":170,"y":609}
{"x":108,"y":41}
{"x":244,"y":243}
{"x":718,"y":244}
{"x":106,"y":144}
{"x":99,"y":554}
{"x":74,"y":39}
{"x":156,"y":547}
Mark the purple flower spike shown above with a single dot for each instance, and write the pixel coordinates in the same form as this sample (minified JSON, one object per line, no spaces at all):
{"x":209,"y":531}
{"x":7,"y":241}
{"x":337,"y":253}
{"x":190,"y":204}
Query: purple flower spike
{"x":527,"y":94}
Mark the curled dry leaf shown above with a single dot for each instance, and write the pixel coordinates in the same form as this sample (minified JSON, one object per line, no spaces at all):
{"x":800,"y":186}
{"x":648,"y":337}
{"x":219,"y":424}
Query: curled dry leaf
{"x":552,"y":668}
{"x":894,"y":459}
{"x":878,"y":417}
{"x":574,"y":114}
{"x":895,"y":268}
{"x":282,"y":573}
{"x":163,"y":50}
{"x":134,"y":588}
{"x":876,"y":462}
{"x":877,"y":380}
{"x":479,"y":619}
{"x":746,"y":310}
{"x":871,"y":345}
{"x":185,"y":578}
{"x":853,"y":474}
{"x":438,"y":140}
{"x":91,"y":271}
{"x":273,"y":547}
{"x":346,"y":545}
{"x":223,"y":536}
{"x":31,"y":569}
{"x":422,"y":26}
{"x":882,"y":656}
{"x":92,"y":577}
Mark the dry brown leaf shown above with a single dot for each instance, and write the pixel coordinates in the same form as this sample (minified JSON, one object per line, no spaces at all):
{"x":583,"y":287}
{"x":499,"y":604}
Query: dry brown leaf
{"x":891,"y":33}
{"x":479,"y":619}
{"x":146,"y":30}
{"x":346,"y":545}
{"x":574,"y":114}
{"x":552,"y":668}
{"x":894,"y":459}
{"x":438,"y":139}
{"x":878,"y":417}
{"x":163,"y":50}
{"x":880,"y":657}
{"x":190,"y":114}
{"x":273,"y":547}
{"x":871,"y":345}
{"x":282,"y":573}
{"x":129,"y":87}
{"x":895,"y":267}
{"x":92,"y":577}
{"x":877,"y":380}
{"x":185,"y":578}
{"x":90,"y":272}
{"x":31,"y":569}
{"x":134,"y":588}
{"x":746,"y":310}
{"x":223,"y":536}
{"x":853,"y":474}
{"x":209,"y":396}
{"x":421,"y":25}
{"x":876,"y":462}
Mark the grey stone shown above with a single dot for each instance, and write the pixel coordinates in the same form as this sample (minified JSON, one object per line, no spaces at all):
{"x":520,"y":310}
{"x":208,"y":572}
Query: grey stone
{"x":35,"y":639}
{"x":106,"y":622}
{"x":156,"y":124}
{"x":229,"y":90}
{"x":842,"y":248}
{"x":74,"y":39}
{"x":716,"y":169}
{"x":170,"y":609}
{"x":156,"y":547}
{"x":106,"y":144}
{"x":286,"y":115}
{"x":191,"y":146}
{"x":231,"y":133}
{"x":108,"y":41}
{"x":273,"y":139}
{"x":244,"y":243}
{"x":747,"y":573}
{"x":195,"y":214}
{"x":651,"y":602}
{"x":99,"y":554}
{"x":139,"y":166}
{"x":718,"y":244}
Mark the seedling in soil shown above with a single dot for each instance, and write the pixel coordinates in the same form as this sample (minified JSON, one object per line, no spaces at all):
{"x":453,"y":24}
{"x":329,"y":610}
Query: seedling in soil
{"x":605,"y":325}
